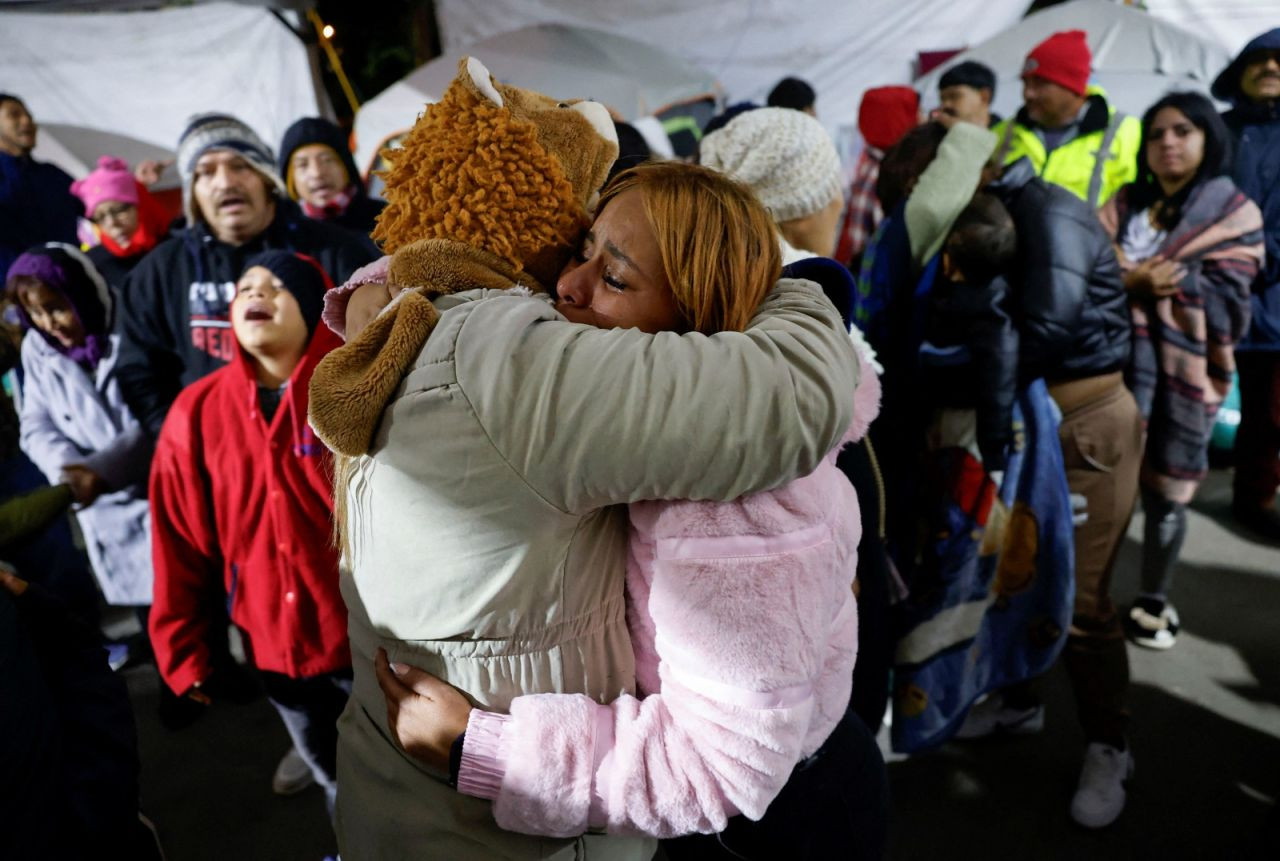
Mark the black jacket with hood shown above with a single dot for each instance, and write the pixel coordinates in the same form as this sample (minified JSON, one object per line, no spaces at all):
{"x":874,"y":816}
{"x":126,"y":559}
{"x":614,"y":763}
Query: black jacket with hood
{"x":174,"y":321}
{"x":1069,"y":302}
{"x":362,"y":210}
{"x":1256,"y":129}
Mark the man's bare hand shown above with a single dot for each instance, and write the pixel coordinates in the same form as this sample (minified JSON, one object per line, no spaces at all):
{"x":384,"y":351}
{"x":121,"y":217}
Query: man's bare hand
{"x":86,"y":485}
{"x":148,"y":172}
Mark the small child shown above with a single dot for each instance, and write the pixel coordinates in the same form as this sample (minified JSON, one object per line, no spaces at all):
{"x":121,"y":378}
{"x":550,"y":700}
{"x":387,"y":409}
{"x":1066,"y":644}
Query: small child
{"x":241,"y":500}
{"x":970,"y":354}
{"x":74,"y":423}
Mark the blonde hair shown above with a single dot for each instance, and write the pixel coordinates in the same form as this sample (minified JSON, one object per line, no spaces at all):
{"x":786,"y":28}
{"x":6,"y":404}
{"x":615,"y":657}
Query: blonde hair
{"x":718,"y":243}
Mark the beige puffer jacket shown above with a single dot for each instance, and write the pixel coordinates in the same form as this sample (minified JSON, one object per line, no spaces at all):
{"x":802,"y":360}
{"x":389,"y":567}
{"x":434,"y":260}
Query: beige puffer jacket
{"x":487,"y":541}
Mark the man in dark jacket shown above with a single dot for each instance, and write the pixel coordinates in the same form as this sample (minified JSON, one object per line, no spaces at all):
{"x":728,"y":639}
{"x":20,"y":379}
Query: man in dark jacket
{"x":1252,"y":85}
{"x":174,"y":313}
{"x":321,"y":176}
{"x":36,"y":204}
{"x":1074,"y":331}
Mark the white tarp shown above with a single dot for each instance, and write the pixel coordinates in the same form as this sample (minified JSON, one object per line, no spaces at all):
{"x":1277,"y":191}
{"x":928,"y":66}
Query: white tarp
{"x":142,"y":74}
{"x":559,"y":60}
{"x":839,"y":46}
{"x":1136,"y":57}
{"x":1230,"y":23}
{"x":76,"y":150}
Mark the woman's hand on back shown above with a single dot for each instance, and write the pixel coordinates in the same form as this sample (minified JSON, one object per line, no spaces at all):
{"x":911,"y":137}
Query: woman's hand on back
{"x":1154,"y":277}
{"x":425,"y":715}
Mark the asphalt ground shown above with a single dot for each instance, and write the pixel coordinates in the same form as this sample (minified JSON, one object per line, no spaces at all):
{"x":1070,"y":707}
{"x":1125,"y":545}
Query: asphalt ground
{"x":1205,"y":737}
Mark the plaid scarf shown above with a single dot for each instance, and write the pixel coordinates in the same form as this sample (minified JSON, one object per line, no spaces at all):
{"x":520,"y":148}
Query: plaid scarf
{"x":862,"y":214}
{"x":1183,"y":345}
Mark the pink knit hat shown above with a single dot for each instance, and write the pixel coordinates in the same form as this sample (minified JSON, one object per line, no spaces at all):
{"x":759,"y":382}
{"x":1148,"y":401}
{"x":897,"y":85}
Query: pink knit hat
{"x":111,"y":180}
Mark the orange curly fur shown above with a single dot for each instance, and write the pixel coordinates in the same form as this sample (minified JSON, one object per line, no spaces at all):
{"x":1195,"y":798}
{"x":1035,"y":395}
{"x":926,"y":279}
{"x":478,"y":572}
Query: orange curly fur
{"x":508,"y":196}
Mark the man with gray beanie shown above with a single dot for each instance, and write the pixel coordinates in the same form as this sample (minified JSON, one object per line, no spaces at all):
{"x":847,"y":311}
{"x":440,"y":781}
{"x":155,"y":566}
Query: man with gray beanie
{"x":174,"y":321}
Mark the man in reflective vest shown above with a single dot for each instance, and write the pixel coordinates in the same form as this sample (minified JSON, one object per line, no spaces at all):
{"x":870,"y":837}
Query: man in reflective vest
{"x":1066,"y":128}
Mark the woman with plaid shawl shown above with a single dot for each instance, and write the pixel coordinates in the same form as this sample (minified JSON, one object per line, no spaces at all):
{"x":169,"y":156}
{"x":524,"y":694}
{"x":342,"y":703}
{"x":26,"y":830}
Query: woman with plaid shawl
{"x":1190,"y":244}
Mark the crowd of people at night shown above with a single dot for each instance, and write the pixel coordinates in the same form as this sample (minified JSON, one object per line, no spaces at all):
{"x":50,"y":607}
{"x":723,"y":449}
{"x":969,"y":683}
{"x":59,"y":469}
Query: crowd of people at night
{"x":625,"y":560}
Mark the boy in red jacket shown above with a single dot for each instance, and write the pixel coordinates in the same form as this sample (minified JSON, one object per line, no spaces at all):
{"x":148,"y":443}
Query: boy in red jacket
{"x":241,"y":500}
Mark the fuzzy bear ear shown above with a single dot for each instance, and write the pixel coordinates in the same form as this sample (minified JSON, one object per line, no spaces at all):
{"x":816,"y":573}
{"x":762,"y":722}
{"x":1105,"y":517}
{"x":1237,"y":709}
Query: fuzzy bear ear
{"x":483,"y":81}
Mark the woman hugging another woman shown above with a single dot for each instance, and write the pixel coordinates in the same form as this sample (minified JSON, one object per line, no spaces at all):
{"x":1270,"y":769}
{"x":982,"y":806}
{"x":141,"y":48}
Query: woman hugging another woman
{"x":740,"y":613}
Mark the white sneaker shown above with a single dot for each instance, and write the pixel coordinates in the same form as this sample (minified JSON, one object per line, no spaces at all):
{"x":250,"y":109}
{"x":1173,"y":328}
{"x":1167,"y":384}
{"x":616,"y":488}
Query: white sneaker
{"x":990,"y":716}
{"x":1100,"y":796}
{"x":292,"y":774}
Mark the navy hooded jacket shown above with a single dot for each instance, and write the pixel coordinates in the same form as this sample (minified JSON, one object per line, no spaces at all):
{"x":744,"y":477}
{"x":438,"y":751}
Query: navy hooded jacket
{"x":1256,"y":129}
{"x":361,"y":212}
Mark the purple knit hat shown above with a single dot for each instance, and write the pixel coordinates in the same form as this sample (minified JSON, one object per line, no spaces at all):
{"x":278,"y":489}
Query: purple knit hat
{"x":65,"y":270}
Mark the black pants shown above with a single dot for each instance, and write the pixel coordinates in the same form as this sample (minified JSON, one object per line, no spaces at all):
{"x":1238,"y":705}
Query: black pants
{"x":835,"y":805}
{"x":1257,"y":451}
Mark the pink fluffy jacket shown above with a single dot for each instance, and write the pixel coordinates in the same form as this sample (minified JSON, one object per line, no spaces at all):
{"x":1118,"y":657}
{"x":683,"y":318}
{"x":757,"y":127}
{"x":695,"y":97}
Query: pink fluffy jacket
{"x":745,"y":634}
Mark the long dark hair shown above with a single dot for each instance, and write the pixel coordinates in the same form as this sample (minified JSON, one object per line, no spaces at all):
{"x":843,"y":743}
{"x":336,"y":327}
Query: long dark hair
{"x":1146,"y":191}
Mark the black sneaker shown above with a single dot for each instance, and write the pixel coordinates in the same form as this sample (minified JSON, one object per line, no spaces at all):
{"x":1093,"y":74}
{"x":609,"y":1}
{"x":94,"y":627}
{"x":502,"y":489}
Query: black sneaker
{"x":1152,"y":624}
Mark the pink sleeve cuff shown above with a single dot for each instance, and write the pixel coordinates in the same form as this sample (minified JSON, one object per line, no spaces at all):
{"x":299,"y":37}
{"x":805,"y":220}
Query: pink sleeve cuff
{"x":484,"y":761}
{"x":334,"y":314}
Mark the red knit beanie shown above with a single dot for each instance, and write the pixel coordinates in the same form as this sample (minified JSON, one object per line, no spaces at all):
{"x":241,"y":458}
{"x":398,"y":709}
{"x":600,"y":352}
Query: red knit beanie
{"x":886,"y":114}
{"x":1063,"y":58}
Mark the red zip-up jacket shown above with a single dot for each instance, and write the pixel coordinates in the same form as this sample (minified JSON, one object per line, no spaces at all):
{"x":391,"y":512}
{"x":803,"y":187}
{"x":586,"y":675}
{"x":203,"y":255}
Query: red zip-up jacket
{"x":232,"y":496}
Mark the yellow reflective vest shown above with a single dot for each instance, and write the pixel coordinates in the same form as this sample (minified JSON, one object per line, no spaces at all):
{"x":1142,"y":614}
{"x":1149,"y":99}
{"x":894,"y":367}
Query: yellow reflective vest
{"x":1093,"y":165}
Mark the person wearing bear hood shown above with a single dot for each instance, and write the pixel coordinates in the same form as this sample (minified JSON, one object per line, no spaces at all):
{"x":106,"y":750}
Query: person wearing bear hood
{"x":241,"y":495}
{"x":1251,"y":83}
{"x":320,"y":174}
{"x":174,"y":320}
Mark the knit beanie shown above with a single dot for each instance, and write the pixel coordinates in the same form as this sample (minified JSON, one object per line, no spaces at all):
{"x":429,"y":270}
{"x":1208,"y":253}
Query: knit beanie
{"x":205,"y":132}
{"x":886,"y":114}
{"x":302,"y":276}
{"x":110,"y":180}
{"x":314,"y":130}
{"x":785,"y":156}
{"x":1063,"y":58}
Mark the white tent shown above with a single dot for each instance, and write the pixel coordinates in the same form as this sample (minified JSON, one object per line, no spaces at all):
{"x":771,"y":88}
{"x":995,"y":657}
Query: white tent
{"x":1230,"y":23}
{"x":76,"y":150}
{"x":632,"y":78}
{"x":840,"y":47}
{"x":142,"y":74}
{"x":1136,"y":57}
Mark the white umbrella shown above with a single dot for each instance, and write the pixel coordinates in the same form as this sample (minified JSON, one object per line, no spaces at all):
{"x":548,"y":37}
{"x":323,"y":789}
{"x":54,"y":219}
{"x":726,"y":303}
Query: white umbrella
{"x":632,"y":78}
{"x":1137,"y":57}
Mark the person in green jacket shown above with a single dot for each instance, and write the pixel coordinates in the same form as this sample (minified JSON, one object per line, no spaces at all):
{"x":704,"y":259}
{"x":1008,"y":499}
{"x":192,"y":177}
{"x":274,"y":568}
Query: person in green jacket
{"x":1066,"y":127}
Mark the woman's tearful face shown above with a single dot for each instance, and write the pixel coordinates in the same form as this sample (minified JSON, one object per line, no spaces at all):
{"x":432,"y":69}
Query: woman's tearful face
{"x":617,"y":280}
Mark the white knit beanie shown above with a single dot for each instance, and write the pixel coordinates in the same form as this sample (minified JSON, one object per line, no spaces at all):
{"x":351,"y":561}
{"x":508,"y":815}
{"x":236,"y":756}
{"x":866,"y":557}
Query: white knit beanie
{"x":784,"y":155}
{"x":205,"y":132}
